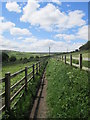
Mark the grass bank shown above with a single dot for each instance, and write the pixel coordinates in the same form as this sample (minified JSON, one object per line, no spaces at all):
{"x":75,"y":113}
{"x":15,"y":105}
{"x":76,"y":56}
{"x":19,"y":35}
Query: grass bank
{"x":67,"y":92}
{"x":22,"y":110}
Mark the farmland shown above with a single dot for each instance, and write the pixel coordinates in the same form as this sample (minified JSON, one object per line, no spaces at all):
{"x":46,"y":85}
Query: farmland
{"x":67,"y":89}
{"x":22,"y":54}
{"x":67,"y":92}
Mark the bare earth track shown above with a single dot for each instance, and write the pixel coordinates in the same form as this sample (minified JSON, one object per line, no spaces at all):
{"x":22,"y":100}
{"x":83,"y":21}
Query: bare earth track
{"x":39,"y":109}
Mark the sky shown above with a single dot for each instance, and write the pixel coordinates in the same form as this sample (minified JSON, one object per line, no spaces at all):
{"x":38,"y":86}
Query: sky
{"x":33,"y":26}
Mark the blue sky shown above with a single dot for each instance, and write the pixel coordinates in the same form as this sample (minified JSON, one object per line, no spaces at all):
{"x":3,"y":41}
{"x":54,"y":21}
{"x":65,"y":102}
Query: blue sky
{"x":34,"y":26}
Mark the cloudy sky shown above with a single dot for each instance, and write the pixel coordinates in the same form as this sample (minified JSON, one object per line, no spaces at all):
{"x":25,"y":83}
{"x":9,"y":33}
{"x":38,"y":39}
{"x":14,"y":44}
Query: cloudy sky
{"x":34,"y":26}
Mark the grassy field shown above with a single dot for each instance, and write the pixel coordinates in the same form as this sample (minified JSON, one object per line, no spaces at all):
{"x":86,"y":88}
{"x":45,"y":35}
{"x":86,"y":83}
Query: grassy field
{"x":23,"y":54}
{"x":85,"y":54}
{"x":22,"y":110}
{"x":67,"y":92}
{"x":12,"y":68}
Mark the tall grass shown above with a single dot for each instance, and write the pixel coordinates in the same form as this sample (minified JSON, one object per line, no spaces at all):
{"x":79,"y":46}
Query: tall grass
{"x":67,"y":92}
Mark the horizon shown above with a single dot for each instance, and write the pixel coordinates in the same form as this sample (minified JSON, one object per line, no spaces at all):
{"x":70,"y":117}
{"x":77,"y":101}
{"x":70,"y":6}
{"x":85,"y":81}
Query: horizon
{"x":34,"y":26}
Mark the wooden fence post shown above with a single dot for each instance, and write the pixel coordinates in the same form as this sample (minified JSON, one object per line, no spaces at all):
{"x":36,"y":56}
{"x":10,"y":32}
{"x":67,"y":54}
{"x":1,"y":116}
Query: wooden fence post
{"x":39,"y":66}
{"x":71,"y":60}
{"x":33,"y":72}
{"x":62,"y":57}
{"x":80,"y":61}
{"x":65,"y":59}
{"x":7,"y":91}
{"x":36,"y":68}
{"x":25,"y":78}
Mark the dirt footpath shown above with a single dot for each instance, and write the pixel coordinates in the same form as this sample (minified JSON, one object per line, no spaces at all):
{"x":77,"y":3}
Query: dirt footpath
{"x":39,"y":109}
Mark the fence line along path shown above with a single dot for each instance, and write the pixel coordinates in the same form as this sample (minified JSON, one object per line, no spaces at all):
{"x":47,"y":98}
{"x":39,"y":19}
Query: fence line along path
{"x":80,"y":61}
{"x":8,"y":88}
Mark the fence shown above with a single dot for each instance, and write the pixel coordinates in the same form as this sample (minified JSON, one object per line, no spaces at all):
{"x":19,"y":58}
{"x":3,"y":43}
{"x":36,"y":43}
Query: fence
{"x":7,"y":79}
{"x":80,"y":61}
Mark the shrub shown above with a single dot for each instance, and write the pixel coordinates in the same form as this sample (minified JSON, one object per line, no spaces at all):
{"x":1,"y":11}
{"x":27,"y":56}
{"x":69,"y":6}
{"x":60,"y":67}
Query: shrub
{"x":12,"y":58}
{"x":20,"y":59}
{"x":25,"y":60}
{"x":31,"y":57}
{"x":37,"y":57}
{"x":5,"y":57}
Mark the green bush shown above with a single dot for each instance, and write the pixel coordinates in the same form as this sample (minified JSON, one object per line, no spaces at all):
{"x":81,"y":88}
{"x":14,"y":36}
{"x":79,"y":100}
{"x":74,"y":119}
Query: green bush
{"x":37,"y":58}
{"x":31,"y":57}
{"x":5,"y":57}
{"x":21,"y":59}
{"x":25,"y":60}
{"x":12,"y":59}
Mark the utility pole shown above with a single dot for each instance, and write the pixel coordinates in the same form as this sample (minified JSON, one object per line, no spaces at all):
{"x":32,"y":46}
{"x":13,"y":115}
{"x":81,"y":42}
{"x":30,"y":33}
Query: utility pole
{"x":49,"y":51}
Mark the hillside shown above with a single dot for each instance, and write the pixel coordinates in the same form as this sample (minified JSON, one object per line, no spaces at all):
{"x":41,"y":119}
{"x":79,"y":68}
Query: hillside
{"x":85,"y":46}
{"x":19,"y":54}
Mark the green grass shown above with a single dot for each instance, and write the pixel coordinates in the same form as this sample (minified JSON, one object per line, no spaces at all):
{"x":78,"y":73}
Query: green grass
{"x":22,"y":110}
{"x":22,"y":54}
{"x":84,"y":63}
{"x":67,"y":92}
{"x":85,"y":54}
{"x":12,"y":68}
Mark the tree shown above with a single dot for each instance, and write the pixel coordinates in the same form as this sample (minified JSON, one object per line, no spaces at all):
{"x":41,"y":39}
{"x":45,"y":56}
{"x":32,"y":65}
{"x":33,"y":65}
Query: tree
{"x":25,"y":60}
{"x":5,"y":57}
{"x":21,"y":59}
{"x":37,"y":57}
{"x":31,"y":57}
{"x":12,"y":58}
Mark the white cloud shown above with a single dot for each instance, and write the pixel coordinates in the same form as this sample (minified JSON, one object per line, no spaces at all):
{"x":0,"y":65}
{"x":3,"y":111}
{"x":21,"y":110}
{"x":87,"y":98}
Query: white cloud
{"x":13,"y":7}
{"x":37,"y":46}
{"x":57,"y":1}
{"x":9,"y":26}
{"x":1,"y":19}
{"x":7,"y":44}
{"x":68,"y":5}
{"x":29,"y":9}
{"x":18,"y":31}
{"x":56,"y":46}
{"x":5,"y":25}
{"x":50,"y":17}
{"x":20,"y":38}
{"x":81,"y":34}
{"x":30,"y":40}
{"x":67,"y":37}
{"x":75,"y":19}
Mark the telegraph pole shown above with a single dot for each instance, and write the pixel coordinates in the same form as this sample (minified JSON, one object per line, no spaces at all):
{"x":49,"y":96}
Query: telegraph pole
{"x":49,"y":51}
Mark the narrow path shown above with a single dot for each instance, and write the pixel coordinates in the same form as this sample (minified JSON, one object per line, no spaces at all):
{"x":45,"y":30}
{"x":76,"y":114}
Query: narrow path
{"x":39,"y":109}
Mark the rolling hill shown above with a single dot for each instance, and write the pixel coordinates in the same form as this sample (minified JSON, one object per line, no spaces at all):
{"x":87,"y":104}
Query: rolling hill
{"x":85,"y":46}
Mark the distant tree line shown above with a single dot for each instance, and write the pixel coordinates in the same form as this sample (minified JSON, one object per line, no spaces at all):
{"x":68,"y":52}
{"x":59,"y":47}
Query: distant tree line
{"x":6,"y":58}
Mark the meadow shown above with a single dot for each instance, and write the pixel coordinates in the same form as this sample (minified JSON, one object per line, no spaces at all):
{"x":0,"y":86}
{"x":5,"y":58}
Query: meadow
{"x":23,"y":54}
{"x":67,"y":91}
{"x":85,"y":55}
{"x":21,"y":110}
{"x":14,"y":67}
